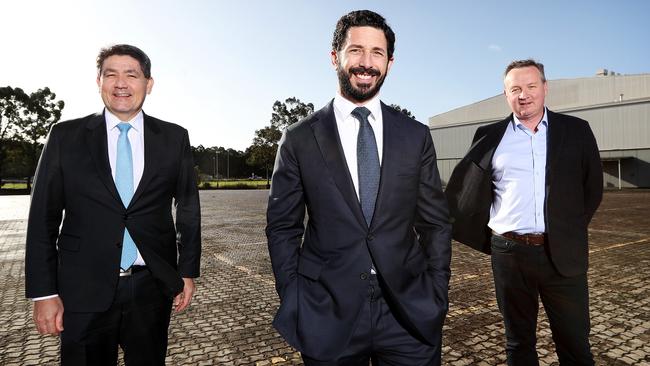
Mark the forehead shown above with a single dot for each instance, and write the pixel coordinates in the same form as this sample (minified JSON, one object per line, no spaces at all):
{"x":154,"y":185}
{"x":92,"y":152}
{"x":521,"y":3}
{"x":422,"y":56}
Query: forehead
{"x":523,"y":75}
{"x":366,"y":36}
{"x":121,"y":62}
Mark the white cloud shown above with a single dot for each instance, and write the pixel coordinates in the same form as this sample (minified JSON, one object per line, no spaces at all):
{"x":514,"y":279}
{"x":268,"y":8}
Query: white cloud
{"x":494,"y":47}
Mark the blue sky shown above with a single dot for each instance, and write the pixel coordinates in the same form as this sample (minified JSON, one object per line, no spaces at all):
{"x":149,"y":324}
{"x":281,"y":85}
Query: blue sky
{"x":218,"y":66}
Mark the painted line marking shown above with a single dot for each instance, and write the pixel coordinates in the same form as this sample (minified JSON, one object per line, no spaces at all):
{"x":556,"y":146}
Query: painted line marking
{"x":623,"y":208}
{"x":246,"y":270}
{"x":614,"y":246}
{"x":617,"y":232}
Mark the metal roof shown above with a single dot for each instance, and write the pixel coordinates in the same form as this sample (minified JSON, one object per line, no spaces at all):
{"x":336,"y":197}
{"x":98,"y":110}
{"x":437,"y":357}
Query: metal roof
{"x":564,"y":95}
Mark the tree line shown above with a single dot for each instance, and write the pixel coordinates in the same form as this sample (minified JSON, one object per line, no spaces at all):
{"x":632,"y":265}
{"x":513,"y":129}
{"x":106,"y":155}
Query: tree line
{"x":25,"y":120}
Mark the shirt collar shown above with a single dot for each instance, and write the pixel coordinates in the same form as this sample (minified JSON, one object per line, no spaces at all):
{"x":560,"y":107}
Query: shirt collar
{"x":517,"y":123}
{"x":345,"y":107}
{"x":112,"y":121}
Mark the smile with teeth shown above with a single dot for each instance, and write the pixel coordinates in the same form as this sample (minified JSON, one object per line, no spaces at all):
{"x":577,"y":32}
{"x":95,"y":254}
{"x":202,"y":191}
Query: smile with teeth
{"x":364,"y":73}
{"x":122,"y":95}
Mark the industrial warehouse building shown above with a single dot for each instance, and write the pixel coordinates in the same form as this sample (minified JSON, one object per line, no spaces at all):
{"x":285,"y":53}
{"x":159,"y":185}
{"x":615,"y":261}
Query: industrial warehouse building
{"x":616,"y":106}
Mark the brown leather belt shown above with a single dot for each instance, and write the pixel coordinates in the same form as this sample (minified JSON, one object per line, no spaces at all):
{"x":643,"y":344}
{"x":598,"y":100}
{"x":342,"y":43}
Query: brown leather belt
{"x":526,"y":239}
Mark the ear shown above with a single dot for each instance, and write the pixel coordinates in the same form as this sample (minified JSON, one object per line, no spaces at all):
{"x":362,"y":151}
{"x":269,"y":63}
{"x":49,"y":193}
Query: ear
{"x":390,"y":64}
{"x":99,"y":82}
{"x":335,"y":58}
{"x":545,"y":88}
{"x":149,"y":85}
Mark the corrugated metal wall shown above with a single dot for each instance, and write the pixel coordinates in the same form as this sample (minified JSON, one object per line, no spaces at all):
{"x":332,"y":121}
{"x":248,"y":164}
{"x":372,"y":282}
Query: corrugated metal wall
{"x":621,"y":124}
{"x":619,"y":127}
{"x":563,"y":94}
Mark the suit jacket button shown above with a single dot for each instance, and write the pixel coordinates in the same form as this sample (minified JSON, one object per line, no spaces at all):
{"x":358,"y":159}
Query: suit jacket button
{"x":363,"y":276}
{"x":370,"y":237}
{"x":126,"y":217}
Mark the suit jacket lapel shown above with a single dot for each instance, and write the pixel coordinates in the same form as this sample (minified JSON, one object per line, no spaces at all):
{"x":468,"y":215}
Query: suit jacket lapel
{"x":329,"y":143}
{"x":153,"y":144}
{"x":554,"y":141}
{"x":97,"y":143}
{"x":389,"y":163}
{"x":482,"y":151}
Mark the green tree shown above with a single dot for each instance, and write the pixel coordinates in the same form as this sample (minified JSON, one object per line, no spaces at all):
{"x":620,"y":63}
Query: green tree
{"x":15,"y":162}
{"x":11,"y":103}
{"x":289,"y":112}
{"x":262,"y":152}
{"x":265,"y":143}
{"x":27,"y":118}
{"x":403,"y":110}
{"x":231,"y":163}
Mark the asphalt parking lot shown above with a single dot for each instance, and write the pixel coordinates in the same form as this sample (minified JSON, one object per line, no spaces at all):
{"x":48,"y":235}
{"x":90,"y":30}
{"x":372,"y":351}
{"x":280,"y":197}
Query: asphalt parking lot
{"x":229,"y":320}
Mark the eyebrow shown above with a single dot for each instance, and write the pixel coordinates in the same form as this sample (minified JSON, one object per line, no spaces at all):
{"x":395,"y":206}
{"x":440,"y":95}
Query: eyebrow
{"x":128,"y":71}
{"x":361,"y":46}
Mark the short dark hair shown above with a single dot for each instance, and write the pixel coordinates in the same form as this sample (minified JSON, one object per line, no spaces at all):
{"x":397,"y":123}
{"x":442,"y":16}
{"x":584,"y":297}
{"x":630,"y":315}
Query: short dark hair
{"x":125,"y":50}
{"x":517,"y":64}
{"x":362,"y":18}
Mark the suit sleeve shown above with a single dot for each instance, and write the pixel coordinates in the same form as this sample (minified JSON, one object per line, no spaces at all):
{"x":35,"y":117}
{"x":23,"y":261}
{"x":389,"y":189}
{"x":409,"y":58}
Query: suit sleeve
{"x":593,"y":174}
{"x":188,"y":215}
{"x":45,"y":214}
{"x":285,"y":216}
{"x":432,"y":218}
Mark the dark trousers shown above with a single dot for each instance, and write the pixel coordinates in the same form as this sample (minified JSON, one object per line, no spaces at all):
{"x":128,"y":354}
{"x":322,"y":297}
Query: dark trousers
{"x":380,"y":338}
{"x":522,"y":275}
{"x":137,"y":321}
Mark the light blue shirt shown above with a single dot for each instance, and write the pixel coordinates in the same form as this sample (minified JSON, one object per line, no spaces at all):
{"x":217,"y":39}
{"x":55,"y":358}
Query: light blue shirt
{"x":519,"y":177}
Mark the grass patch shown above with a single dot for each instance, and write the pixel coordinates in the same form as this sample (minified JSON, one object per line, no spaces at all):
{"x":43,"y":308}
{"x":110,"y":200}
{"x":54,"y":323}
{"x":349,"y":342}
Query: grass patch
{"x":223,"y":184}
{"x":13,"y":186}
{"x":234,"y":184}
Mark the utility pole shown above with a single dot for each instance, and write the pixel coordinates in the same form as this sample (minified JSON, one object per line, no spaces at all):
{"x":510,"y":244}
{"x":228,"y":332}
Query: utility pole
{"x":217,"y":166}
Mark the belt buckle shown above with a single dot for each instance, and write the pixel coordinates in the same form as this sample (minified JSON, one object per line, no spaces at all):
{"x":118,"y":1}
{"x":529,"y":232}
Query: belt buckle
{"x":124,"y":273}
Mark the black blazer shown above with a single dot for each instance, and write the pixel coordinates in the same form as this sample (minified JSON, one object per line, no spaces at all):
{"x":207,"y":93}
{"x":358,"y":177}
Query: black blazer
{"x":73,"y":181}
{"x":322,"y":277}
{"x":574,"y":189}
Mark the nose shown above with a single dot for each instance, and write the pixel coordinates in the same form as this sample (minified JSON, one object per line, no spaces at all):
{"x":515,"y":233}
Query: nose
{"x":364,"y":60}
{"x":120,"y":82}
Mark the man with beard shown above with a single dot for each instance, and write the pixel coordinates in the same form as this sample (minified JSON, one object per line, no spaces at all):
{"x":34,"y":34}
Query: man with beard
{"x":367,"y":278}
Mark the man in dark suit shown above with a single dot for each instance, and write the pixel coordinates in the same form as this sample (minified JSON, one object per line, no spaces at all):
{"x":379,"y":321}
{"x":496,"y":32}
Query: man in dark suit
{"x":110,"y":273}
{"x":525,"y":192}
{"x":368,"y":276}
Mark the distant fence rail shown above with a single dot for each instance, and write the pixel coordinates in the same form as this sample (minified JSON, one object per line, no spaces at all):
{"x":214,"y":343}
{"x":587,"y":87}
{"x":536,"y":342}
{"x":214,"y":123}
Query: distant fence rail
{"x":13,"y":180}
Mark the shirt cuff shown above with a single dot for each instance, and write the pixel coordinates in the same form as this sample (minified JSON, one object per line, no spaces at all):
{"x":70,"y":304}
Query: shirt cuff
{"x":44,"y":297}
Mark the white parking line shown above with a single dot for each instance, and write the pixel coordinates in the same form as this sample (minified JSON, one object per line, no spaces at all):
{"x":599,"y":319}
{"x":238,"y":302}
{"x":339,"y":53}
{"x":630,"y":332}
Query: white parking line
{"x":246,"y":270}
{"x":614,"y":246}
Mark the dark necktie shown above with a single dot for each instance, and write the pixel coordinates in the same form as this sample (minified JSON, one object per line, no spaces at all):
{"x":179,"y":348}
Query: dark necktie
{"x":367,"y":163}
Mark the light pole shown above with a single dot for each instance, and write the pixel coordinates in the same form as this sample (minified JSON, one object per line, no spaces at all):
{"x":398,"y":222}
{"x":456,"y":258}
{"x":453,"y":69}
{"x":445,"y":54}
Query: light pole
{"x":216,"y":153}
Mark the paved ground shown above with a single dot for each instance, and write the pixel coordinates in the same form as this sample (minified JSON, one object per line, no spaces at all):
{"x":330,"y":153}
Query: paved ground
{"x":229,"y":321}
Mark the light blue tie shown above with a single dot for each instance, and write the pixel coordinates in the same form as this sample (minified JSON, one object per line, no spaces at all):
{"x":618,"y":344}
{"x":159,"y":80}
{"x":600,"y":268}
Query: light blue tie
{"x":124,"y":184}
{"x":367,"y":163}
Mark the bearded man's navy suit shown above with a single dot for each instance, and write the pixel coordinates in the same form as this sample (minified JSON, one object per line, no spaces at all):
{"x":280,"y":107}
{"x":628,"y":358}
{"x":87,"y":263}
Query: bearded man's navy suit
{"x":322,"y":270}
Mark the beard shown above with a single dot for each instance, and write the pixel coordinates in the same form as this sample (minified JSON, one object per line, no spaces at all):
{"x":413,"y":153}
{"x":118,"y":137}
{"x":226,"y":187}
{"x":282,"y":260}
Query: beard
{"x":364,"y":91}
